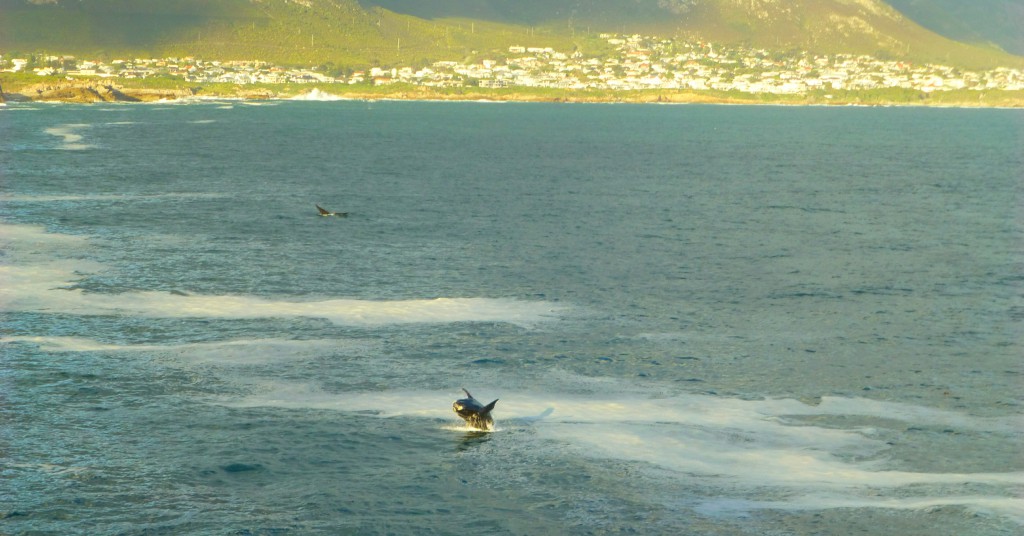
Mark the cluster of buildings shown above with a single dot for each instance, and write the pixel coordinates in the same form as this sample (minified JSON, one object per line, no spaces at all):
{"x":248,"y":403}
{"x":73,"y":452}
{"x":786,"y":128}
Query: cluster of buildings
{"x":638,"y":62}
{"x":651,"y":63}
{"x":189,"y":68}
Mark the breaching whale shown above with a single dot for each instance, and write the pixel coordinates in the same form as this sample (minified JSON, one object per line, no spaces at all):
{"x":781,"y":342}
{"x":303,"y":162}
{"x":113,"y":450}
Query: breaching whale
{"x":325,"y":212}
{"x":475,"y":414}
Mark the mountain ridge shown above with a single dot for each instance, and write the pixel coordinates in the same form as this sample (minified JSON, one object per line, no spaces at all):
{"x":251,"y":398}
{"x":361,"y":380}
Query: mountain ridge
{"x":350,"y":33}
{"x":823,"y":26}
{"x":988,"y":22}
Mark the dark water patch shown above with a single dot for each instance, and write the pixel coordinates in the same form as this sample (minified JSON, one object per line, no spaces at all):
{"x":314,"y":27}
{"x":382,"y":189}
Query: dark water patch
{"x":241,"y":467}
{"x":799,"y":293}
{"x":472,"y":440}
{"x":881,"y":291}
{"x":810,"y":210}
{"x":487,"y":361}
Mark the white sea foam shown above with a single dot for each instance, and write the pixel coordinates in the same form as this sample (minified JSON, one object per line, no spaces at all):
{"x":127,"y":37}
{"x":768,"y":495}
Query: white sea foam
{"x":317,"y":95}
{"x":70,"y":135}
{"x":430,"y":404}
{"x":18,"y":198}
{"x":464,"y":428}
{"x":37,"y":294}
{"x":742,"y":446}
{"x":47,"y":284}
{"x":1009,"y":507}
{"x":232,"y":352}
{"x":905,"y":412}
{"x":31,"y":245}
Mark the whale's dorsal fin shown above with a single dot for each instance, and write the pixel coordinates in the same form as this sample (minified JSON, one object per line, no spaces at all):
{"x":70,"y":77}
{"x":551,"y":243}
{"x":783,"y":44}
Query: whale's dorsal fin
{"x":467,"y":393}
{"x":487,"y":409}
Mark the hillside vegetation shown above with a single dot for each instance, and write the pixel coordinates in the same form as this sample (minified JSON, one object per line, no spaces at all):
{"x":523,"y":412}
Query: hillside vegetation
{"x":822,"y":26}
{"x":308,"y":32}
{"x":985,"y":22}
{"x":345,"y":34}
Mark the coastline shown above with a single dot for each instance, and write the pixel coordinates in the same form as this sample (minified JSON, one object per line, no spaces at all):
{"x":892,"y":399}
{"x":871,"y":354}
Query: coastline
{"x":142,"y":91}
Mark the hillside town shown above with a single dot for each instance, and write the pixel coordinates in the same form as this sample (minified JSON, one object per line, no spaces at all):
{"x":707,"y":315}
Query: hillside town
{"x":638,"y":63}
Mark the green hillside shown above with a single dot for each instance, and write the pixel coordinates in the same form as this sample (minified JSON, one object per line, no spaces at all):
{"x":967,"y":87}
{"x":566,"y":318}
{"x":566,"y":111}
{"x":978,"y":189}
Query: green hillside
{"x":307,"y":32}
{"x":984,"y":22}
{"x":824,"y":26}
{"x":343,"y":34}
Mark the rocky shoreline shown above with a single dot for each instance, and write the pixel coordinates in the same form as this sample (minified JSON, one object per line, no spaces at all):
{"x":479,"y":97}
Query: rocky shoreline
{"x":99,"y":92}
{"x":96,"y":92}
{"x":86,"y":92}
{"x":93,"y":92}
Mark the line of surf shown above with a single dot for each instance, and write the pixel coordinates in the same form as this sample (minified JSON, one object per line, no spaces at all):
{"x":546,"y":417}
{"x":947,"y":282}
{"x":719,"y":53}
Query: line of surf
{"x":743,"y":447}
{"x":1008,"y":507}
{"x":30,"y":293}
{"x":228,"y":352}
{"x":40,"y":198}
{"x":38,"y":280}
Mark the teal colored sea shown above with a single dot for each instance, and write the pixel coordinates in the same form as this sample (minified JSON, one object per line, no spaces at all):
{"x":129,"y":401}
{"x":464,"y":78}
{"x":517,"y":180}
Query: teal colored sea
{"x":697,"y":320}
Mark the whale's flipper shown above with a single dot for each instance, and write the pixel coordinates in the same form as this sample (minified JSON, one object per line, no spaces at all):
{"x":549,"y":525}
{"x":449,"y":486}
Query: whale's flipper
{"x":487,"y":409}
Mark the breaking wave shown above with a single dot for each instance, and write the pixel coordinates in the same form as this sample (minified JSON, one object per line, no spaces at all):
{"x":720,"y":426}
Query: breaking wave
{"x":317,"y":95}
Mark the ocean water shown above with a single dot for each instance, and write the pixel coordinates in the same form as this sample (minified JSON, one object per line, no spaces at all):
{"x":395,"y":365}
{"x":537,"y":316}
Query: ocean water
{"x":703,"y":320}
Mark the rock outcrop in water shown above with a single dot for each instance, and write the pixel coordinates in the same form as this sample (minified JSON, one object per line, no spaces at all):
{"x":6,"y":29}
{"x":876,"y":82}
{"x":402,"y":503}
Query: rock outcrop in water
{"x":86,"y":92}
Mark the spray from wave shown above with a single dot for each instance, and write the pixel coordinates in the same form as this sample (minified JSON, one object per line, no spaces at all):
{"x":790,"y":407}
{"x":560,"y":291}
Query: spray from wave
{"x":317,"y":95}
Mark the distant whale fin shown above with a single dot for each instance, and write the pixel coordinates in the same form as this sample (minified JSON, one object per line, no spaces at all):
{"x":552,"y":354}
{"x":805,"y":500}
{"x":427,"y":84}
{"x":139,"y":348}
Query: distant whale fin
{"x":324,"y":212}
{"x":487,"y":409}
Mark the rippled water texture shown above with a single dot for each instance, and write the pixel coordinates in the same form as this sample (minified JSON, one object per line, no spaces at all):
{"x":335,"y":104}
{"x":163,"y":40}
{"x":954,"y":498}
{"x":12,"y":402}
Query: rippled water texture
{"x":697,"y":319}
